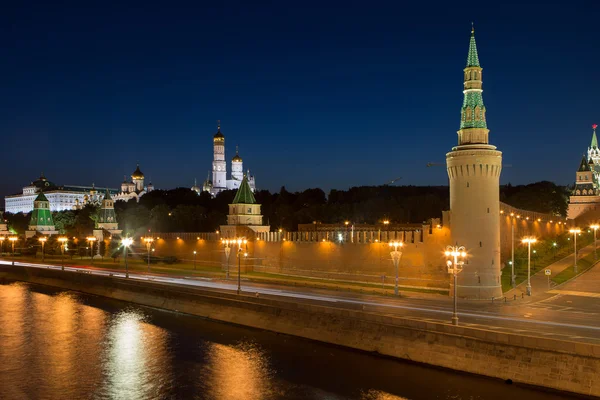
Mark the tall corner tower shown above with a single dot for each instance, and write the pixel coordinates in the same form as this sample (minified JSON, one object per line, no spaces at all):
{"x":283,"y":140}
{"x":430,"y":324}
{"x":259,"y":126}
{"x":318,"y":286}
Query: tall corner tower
{"x":219,"y":165}
{"x":474,"y":168}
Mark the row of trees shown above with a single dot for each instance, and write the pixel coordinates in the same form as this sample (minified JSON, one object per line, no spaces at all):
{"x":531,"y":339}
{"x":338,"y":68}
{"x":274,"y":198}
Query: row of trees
{"x":182,"y":210}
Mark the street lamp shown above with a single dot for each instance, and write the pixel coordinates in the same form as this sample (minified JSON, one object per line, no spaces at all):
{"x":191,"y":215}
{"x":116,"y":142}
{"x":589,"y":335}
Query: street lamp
{"x":63,"y":242}
{"x":226,"y":243}
{"x":13,"y":239}
{"x":529,"y":241}
{"x":396,"y":256}
{"x":43,"y":242}
{"x":455,"y":265}
{"x":575,"y":232}
{"x":2,"y":239}
{"x":126,"y":242}
{"x":148,"y":241}
{"x":92,"y":240}
{"x":194,"y":260}
{"x":595,"y":228}
{"x":239,"y":243}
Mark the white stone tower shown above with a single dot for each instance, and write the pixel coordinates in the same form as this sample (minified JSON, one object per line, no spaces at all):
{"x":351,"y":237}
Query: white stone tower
{"x":474,"y":168}
{"x":237,"y":166}
{"x":219,"y":180}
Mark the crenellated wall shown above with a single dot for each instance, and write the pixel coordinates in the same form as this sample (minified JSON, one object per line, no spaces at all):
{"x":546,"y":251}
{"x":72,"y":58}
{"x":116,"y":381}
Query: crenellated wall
{"x":343,"y":255}
{"x":527,"y":223}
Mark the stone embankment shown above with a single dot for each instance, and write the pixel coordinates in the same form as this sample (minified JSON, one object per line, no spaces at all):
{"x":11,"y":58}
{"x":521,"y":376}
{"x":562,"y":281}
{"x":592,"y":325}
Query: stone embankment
{"x":560,"y":365}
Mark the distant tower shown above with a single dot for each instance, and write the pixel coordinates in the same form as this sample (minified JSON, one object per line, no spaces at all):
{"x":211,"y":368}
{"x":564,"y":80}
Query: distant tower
{"x":474,"y":168}
{"x":207,"y":186}
{"x":594,"y":155}
{"x":41,"y":217}
{"x":219,"y":180}
{"x":237,"y":166}
{"x":196,"y":188}
{"x":107,"y":218}
{"x":584,"y":179}
{"x":138,"y":179}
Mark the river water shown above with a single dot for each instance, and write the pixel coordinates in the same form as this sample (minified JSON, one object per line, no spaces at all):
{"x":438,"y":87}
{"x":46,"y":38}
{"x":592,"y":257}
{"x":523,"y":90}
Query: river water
{"x":56,"y":344}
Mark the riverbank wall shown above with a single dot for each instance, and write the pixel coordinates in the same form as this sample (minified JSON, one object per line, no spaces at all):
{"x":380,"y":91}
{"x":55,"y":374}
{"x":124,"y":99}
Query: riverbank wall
{"x":551,"y":363}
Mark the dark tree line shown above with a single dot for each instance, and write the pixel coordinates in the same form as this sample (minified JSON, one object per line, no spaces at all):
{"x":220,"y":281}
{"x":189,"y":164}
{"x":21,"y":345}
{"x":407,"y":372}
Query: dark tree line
{"x":182,"y":210}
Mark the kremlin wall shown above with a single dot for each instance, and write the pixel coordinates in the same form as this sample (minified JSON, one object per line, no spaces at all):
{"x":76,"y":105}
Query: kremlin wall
{"x":358,"y":257}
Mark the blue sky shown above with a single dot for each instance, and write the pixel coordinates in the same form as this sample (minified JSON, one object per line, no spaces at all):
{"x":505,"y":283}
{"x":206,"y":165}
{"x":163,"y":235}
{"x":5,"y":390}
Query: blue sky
{"x":316,"y":94}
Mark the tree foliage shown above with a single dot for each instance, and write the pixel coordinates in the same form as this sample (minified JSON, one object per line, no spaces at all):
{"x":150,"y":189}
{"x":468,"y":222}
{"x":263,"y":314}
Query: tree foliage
{"x":182,"y":210}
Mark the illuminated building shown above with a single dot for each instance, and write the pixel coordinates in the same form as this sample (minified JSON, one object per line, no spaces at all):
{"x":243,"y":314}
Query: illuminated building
{"x":219,"y":180}
{"x":133,"y":189}
{"x":244,"y":217}
{"x":584,"y":202}
{"x":61,"y":197}
{"x":41,"y":218}
{"x":474,"y":168}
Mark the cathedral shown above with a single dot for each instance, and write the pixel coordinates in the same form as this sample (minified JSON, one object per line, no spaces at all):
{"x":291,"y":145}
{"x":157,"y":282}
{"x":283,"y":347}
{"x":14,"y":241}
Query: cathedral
{"x":584,"y":201}
{"x":135,"y":188}
{"x":219,"y":180}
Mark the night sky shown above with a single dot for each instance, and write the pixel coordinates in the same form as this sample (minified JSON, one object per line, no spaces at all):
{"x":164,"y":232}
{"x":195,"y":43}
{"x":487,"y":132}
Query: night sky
{"x":317,"y":94}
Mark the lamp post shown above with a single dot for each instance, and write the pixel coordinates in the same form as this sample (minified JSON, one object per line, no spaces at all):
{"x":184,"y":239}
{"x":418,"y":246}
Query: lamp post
{"x":455,"y":265}
{"x":513,"y":277}
{"x":92,"y":240}
{"x":554,"y":244}
{"x":396,"y":256}
{"x":226,"y":243}
{"x":43,"y":240}
{"x":575,"y":232}
{"x":385,"y":223}
{"x":126,"y":242}
{"x":2,"y":239}
{"x":194,"y":260}
{"x":529,"y":241}
{"x":148,"y":241}
{"x":13,"y":239}
{"x":63,"y":242}
{"x":239,"y":243}
{"x":595,"y":228}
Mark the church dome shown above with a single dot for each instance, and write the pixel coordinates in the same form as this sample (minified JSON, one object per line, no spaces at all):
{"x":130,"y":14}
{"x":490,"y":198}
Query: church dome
{"x":219,"y":137}
{"x":137,"y":174}
{"x":236,"y":158}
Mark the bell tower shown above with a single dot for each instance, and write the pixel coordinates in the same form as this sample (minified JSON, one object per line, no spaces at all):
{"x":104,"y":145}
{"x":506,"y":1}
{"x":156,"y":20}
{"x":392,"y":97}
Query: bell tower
{"x":219,"y":172}
{"x":474,"y":168}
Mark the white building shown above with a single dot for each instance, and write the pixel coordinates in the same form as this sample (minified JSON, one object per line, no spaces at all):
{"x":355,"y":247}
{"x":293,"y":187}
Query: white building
{"x":135,"y":188}
{"x":60,"y":197}
{"x":219,"y":169}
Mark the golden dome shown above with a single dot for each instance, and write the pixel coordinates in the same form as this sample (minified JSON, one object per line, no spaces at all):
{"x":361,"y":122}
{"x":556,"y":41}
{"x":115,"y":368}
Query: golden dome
{"x":237,"y":157}
{"x":137,"y":174}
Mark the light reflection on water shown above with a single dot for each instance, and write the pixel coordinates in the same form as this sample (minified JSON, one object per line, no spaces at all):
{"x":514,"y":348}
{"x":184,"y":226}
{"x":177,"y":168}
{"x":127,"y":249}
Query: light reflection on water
{"x":62,"y":345}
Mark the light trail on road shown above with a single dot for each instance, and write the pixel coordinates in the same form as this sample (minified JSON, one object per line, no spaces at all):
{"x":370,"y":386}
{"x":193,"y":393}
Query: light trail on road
{"x":566,"y":325}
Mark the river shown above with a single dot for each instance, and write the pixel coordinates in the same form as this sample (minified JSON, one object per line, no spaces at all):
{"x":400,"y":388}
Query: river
{"x":57,"y":344}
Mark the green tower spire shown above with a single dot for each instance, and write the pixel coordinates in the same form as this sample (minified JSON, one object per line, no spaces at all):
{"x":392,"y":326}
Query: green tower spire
{"x":473,"y":110}
{"x":473,"y":58}
{"x":244,"y":194}
{"x":594,"y":138}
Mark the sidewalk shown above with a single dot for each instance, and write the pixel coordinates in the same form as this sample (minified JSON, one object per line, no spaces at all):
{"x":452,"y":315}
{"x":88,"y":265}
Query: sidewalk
{"x":539,"y":281}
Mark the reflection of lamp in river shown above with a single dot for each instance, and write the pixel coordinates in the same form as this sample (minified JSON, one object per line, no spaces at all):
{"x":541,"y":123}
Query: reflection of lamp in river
{"x":240,"y":372}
